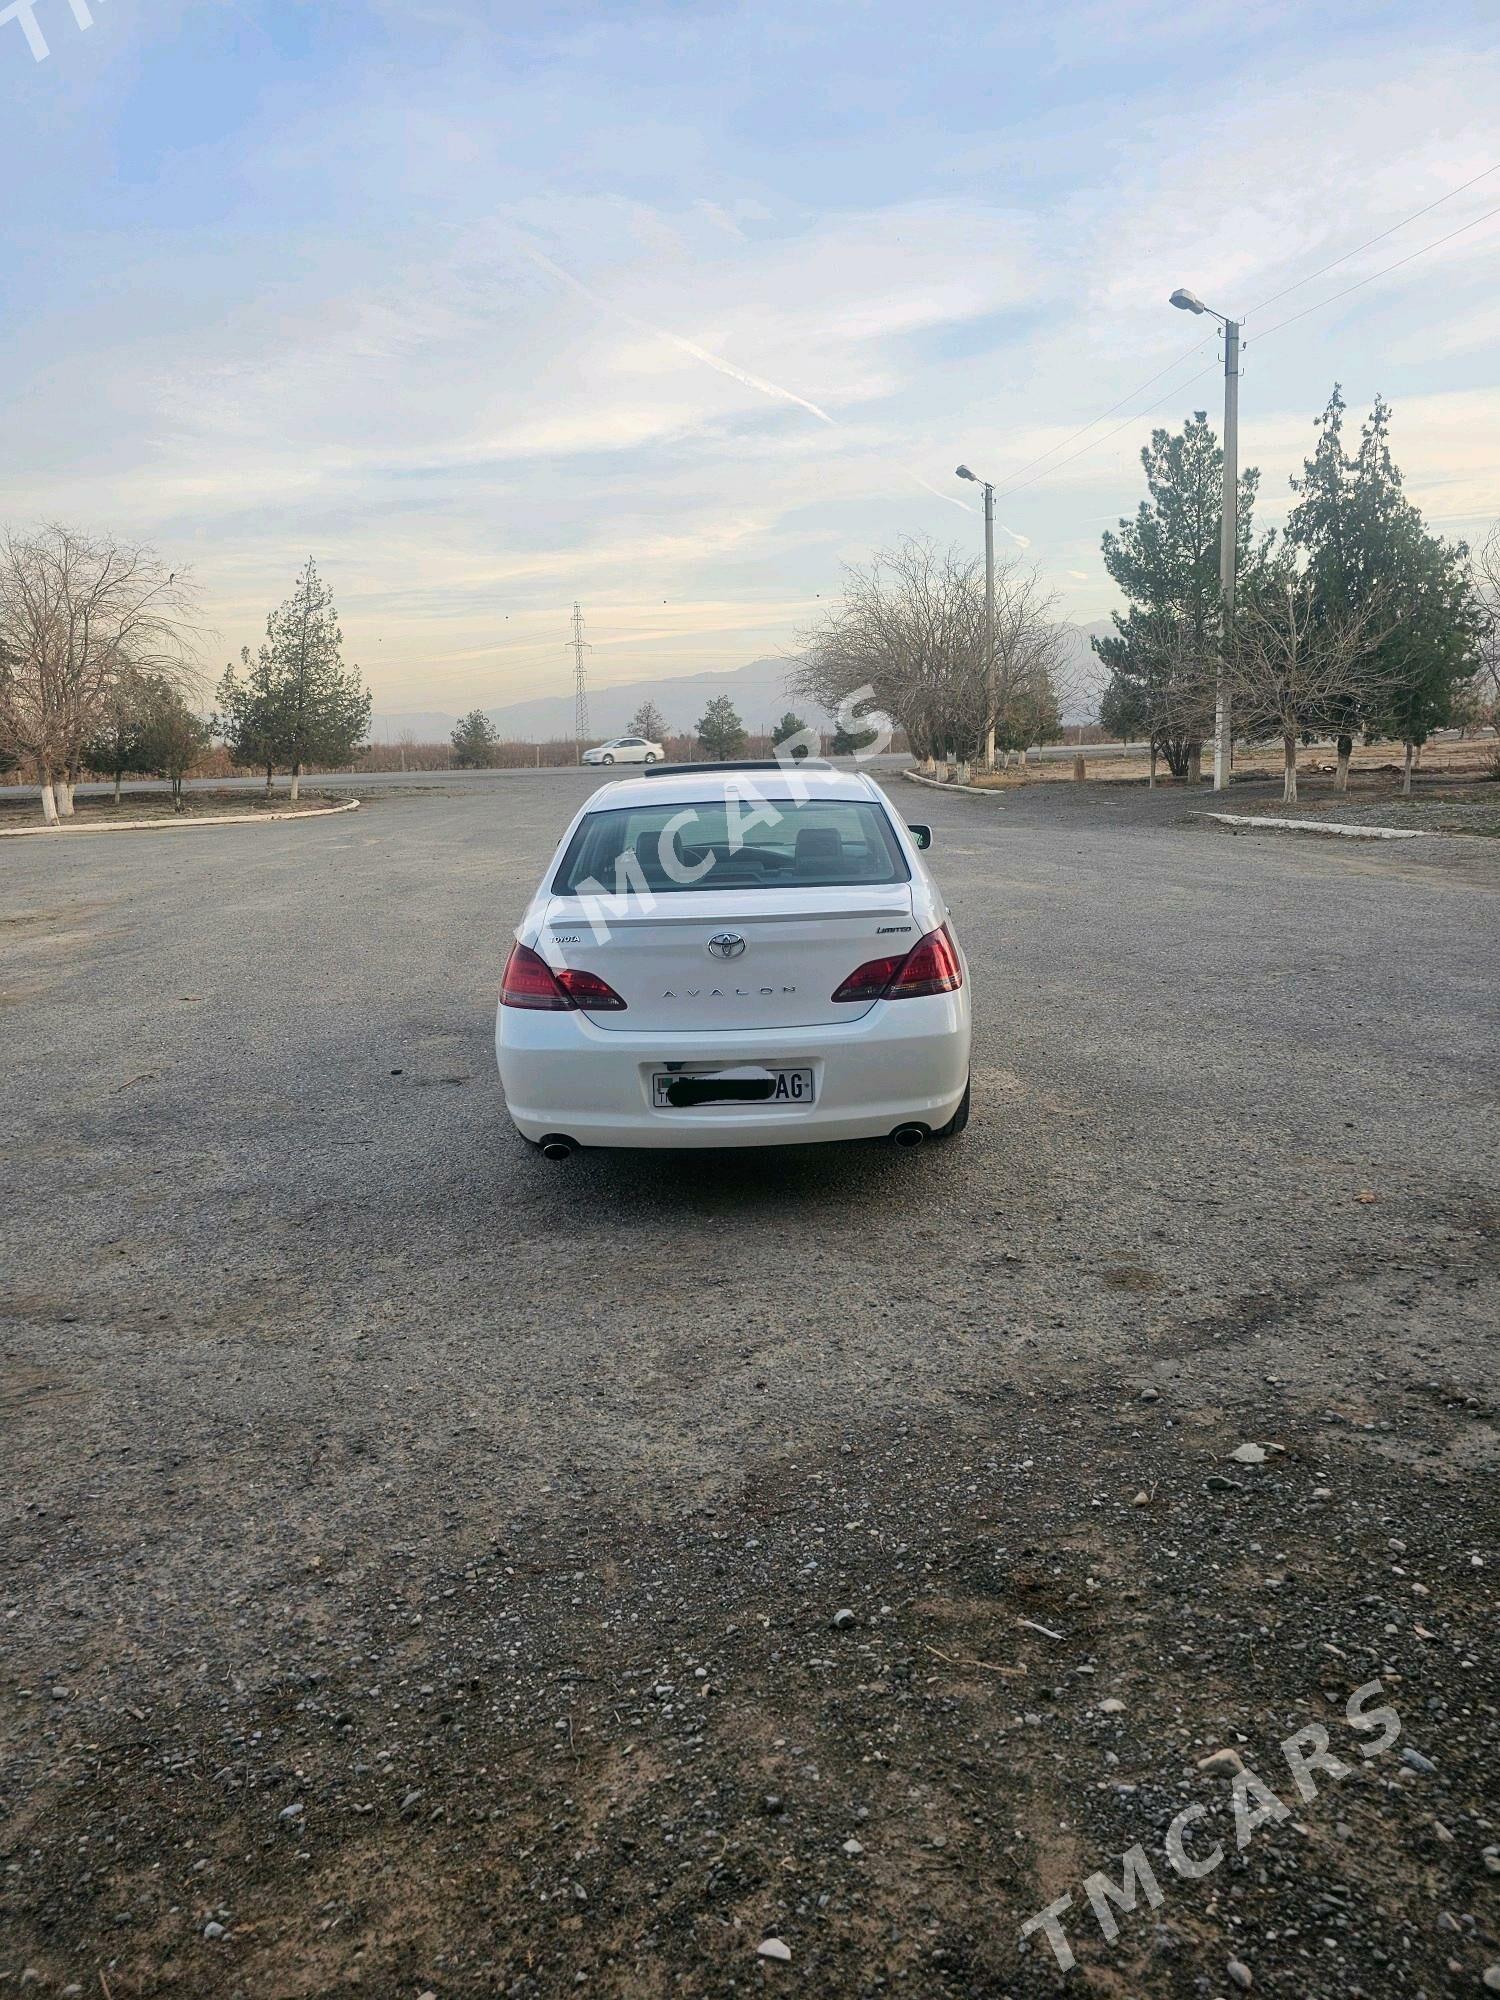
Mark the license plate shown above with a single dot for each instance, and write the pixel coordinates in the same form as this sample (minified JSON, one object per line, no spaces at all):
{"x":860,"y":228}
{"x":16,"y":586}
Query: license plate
{"x":675,"y":1090}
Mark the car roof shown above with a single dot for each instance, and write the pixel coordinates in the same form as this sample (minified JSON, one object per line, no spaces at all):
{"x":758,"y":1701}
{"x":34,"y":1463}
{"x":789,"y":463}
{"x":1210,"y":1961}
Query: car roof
{"x":694,"y":785}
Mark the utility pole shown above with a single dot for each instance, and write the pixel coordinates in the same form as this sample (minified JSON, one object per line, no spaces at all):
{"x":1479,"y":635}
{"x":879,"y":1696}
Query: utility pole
{"x":1228,"y":546}
{"x":991,"y":695}
{"x":1187,"y":301}
{"x":580,"y":683}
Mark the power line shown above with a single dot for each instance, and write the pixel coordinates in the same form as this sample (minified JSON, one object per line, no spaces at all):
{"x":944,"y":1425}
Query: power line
{"x":1369,"y":241}
{"x":1384,"y":271}
{"x":1129,"y":397}
{"x":1134,"y":417}
{"x":1017,"y":485}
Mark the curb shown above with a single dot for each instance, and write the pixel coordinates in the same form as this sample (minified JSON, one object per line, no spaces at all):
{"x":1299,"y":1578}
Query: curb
{"x":152,"y":825}
{"x":1258,"y":823}
{"x":939,"y":785}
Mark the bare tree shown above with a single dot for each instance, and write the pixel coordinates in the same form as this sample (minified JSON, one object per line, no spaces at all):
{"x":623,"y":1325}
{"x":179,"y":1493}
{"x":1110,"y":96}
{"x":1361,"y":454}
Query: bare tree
{"x":911,"y":628}
{"x":76,"y":612}
{"x":1030,"y":646}
{"x":1486,"y":578}
{"x":1293,"y":660}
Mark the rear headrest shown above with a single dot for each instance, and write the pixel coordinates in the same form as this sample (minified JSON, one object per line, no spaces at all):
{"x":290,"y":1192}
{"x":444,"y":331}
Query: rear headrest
{"x":819,"y":843}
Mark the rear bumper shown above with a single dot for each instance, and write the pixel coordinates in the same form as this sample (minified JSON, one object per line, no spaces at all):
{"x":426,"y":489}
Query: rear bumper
{"x":904,"y":1061}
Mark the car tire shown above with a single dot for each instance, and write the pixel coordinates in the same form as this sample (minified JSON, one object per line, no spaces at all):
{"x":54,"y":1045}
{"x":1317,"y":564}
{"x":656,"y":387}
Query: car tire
{"x":606,"y":760}
{"x":650,"y":756}
{"x":960,"y":1118}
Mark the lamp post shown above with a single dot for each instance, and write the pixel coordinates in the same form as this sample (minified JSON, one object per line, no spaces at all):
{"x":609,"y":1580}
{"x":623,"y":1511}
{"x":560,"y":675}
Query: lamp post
{"x":1188,"y":301}
{"x":963,"y":472}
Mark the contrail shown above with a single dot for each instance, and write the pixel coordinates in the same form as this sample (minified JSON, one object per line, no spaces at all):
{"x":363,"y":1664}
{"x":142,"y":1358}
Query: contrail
{"x":937,"y":491}
{"x":689,"y":347}
{"x":729,"y":368}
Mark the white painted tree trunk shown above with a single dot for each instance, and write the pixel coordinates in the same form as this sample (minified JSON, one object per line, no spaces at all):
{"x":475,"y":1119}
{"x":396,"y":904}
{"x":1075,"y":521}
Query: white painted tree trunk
{"x":117,"y":787}
{"x":1151,"y":782}
{"x":1289,"y":784}
{"x":65,"y":797}
{"x":1406,"y":771}
{"x":49,"y":800}
{"x":296,"y":781}
{"x":1341,"y":779}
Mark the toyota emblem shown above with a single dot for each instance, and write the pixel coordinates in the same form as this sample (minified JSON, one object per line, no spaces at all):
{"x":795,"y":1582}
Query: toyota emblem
{"x":726,"y":944}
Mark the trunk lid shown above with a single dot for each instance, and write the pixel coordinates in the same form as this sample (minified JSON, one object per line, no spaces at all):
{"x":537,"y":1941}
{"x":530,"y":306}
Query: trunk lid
{"x":778,"y":956}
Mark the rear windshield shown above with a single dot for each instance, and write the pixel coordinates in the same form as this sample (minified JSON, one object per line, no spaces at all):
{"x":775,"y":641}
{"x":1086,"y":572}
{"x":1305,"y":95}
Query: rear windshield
{"x":752,"y":843}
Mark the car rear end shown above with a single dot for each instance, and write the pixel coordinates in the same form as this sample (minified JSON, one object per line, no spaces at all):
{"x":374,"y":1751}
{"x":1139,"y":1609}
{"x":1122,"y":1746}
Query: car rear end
{"x":706,"y":971}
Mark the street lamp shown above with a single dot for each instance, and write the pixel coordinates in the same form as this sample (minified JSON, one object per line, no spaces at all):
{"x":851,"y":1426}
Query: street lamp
{"x":1187,"y":301}
{"x":963,"y":472}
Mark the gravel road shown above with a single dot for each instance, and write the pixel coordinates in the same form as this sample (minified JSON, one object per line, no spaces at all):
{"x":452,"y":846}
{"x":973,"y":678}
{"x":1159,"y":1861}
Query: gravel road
{"x":424,"y":1567}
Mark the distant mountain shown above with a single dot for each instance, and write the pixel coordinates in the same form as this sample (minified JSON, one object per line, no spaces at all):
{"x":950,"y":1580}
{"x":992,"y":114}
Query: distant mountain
{"x":758,"y":691}
{"x":1084,"y":673}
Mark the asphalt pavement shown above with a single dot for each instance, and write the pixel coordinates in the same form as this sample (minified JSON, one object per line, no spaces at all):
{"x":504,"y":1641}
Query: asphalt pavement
{"x":312,"y":1372}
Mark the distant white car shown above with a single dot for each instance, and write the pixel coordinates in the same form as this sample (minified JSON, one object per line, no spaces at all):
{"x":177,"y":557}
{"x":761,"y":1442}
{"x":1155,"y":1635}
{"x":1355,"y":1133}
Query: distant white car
{"x":625,"y":750}
{"x":735,"y":955}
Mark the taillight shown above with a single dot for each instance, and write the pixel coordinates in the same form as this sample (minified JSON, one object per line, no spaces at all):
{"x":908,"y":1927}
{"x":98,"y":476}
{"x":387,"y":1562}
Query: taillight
{"x":587,"y":989}
{"x":931,"y":966}
{"x":529,"y":981}
{"x":870,"y":980}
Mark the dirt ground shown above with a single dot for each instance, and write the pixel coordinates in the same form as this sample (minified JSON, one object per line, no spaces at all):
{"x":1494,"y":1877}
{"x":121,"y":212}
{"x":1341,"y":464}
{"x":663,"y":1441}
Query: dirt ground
{"x":425,"y":1572}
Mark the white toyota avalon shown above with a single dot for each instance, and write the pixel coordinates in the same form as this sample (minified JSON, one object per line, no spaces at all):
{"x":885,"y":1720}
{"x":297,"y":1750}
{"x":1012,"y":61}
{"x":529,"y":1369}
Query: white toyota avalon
{"x":735,"y":955}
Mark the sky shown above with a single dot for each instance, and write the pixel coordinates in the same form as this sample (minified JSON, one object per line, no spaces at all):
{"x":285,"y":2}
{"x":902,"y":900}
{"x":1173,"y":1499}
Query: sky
{"x":675,"y":310}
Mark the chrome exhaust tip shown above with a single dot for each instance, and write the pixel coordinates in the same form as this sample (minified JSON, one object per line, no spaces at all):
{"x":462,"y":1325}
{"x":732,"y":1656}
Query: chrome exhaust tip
{"x":909,"y":1135}
{"x":557,"y":1146}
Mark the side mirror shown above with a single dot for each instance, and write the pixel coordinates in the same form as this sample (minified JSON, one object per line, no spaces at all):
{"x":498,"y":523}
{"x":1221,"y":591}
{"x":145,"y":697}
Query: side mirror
{"x":921,"y":836}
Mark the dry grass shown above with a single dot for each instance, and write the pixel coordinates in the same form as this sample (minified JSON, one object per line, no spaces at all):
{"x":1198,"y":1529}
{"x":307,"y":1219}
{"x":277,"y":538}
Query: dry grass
{"x":1470,"y":760}
{"x":91,"y":810}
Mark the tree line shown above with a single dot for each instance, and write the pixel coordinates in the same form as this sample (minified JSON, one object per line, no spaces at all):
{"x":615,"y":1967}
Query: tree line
{"x":719,"y":733}
{"x":96,"y":651}
{"x":1355,"y":621}
{"x":98,"y":671}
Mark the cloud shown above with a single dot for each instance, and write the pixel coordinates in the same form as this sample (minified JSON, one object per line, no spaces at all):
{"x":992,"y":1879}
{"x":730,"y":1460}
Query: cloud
{"x":650,"y":309}
{"x":677,"y":340}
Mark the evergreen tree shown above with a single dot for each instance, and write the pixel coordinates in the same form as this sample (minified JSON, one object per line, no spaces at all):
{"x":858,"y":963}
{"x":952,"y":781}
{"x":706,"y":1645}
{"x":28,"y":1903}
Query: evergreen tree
{"x":249,"y":717}
{"x":1369,"y":552}
{"x":789,"y":726}
{"x":1166,"y":561}
{"x":320,"y":710}
{"x":720,"y":730}
{"x":474,"y":741}
{"x":119,"y":744}
{"x":173,"y":737}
